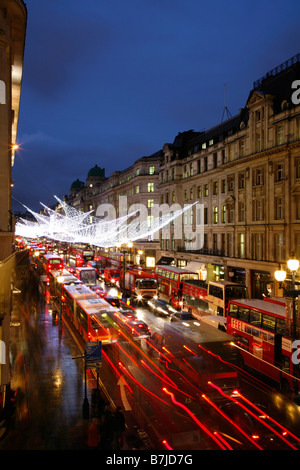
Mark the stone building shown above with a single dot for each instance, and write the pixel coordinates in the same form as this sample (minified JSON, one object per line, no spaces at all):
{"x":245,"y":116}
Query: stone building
{"x":245,"y":172}
{"x":137,"y":184}
{"x":13,"y":20}
{"x":243,"y":177}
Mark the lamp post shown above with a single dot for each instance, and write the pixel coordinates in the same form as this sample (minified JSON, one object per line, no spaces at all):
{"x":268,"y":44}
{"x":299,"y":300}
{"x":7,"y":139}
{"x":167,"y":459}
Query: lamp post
{"x":122,"y":247}
{"x":293,"y":265}
{"x":280,"y":275}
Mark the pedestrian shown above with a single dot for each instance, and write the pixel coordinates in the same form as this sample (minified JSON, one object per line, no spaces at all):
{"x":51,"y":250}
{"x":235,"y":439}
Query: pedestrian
{"x":119,"y":425}
{"x":107,"y":430}
{"x":94,"y":434}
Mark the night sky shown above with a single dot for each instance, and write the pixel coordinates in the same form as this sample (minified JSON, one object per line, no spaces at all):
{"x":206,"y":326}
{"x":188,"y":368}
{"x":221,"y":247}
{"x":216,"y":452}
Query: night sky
{"x":107,"y":82}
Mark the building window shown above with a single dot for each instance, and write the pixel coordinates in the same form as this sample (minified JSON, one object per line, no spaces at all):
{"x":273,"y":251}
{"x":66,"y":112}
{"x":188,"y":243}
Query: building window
{"x":279,"y":247}
{"x":215,"y":242}
{"x":215,"y":159}
{"x":205,"y":216}
{"x":279,"y":135}
{"x":257,"y":240}
{"x":242,"y":148}
{"x":230,"y":244}
{"x":215,"y":188}
{"x":150,"y":187}
{"x":241,"y":245}
{"x":223,"y":186}
{"x":258,"y":177}
{"x":151,"y":170}
{"x":137,"y":189}
{"x":241,"y":180}
{"x":230,"y":181}
{"x":241,"y":211}
{"x":192,"y":193}
{"x":279,"y":172}
{"x":230,"y":153}
{"x":205,"y":163}
{"x":258,"y":210}
{"x":185,"y":197}
{"x":278,"y":208}
{"x":150,"y":202}
{"x":215,"y":214}
{"x":230,"y":212}
{"x":199,"y":166}
{"x":137,"y":172}
{"x":206,"y":190}
{"x":199,"y":192}
{"x":223,"y":216}
{"x":191,"y":169}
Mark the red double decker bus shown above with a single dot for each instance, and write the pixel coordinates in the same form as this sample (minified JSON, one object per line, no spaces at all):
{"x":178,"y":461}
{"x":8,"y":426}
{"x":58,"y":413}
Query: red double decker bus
{"x":200,"y":298}
{"x":170,"y":283}
{"x":262,"y":332}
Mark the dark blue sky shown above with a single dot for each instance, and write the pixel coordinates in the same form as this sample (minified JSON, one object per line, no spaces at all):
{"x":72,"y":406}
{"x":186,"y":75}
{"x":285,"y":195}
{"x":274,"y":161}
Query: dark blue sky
{"x":107,"y":82}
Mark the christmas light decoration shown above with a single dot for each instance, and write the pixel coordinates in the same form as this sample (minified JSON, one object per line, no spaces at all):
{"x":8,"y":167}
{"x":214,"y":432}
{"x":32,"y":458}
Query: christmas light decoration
{"x":74,"y":226}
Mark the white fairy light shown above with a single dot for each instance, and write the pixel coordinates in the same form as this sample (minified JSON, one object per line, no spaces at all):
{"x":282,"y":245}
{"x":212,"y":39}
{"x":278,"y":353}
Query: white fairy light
{"x":74,"y":226}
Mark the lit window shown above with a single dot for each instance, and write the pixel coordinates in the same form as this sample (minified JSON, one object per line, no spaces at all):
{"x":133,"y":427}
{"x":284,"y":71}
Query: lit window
{"x":150,"y":187}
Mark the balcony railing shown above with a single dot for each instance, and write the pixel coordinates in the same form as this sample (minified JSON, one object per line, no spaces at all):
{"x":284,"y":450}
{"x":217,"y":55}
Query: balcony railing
{"x":202,"y":251}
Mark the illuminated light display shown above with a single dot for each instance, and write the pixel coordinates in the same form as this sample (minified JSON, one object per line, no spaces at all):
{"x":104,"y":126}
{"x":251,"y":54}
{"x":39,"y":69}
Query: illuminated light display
{"x":258,"y":418}
{"x":204,"y":428}
{"x":74,"y":226}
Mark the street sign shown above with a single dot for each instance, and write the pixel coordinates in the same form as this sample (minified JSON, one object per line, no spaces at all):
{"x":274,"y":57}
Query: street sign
{"x":93,"y":354}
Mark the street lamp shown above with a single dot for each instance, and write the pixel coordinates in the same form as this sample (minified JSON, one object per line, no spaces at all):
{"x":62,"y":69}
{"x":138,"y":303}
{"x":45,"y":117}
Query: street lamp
{"x":123,"y":250}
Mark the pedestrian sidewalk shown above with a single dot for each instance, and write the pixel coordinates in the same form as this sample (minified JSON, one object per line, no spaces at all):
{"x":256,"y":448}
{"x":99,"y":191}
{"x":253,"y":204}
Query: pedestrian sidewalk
{"x":50,"y":384}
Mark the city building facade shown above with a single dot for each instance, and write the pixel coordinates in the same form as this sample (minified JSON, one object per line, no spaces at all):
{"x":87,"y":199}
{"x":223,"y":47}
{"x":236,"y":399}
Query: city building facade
{"x":13,"y":20}
{"x":242,"y":178}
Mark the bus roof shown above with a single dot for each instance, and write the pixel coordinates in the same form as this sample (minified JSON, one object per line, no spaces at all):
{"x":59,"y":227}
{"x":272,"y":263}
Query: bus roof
{"x":95,"y":305}
{"x":80,"y":291}
{"x":51,"y":256}
{"x":174,"y":269}
{"x":270,"y":308}
{"x":197,"y":333}
{"x":65,"y":276}
{"x":85,"y":268}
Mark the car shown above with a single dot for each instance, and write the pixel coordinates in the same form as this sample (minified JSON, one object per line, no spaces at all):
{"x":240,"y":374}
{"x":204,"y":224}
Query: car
{"x":114,"y":301}
{"x":99,"y":291}
{"x":181,"y":316}
{"x":137,"y":328}
{"x":128,"y":313}
{"x":160,"y":307}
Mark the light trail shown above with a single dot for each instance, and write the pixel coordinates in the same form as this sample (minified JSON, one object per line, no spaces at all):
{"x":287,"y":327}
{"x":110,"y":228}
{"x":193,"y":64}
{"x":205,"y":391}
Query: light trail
{"x":261,"y":421}
{"x":285,"y":430}
{"x":230,"y":421}
{"x":195,"y":419}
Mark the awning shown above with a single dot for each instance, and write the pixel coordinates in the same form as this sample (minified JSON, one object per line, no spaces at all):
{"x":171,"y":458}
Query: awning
{"x":165,"y":261}
{"x":195,"y":266}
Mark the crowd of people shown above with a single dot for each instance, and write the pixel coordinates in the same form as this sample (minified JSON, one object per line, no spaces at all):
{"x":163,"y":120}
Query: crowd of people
{"x":106,"y":432}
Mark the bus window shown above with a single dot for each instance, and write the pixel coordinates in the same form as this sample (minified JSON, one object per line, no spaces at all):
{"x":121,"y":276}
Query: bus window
{"x":216,"y":291}
{"x":280,"y":327}
{"x":243,"y":342}
{"x":233,"y":310}
{"x":285,"y":363}
{"x":243,"y":314}
{"x":235,"y":292}
{"x":255,"y":318}
{"x":269,"y":322}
